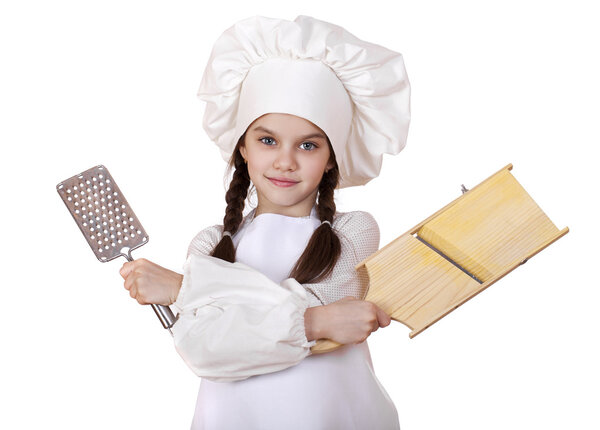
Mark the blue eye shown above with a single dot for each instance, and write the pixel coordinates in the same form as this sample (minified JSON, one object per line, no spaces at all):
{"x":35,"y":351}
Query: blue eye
{"x":263,"y":138}
{"x":313,"y":146}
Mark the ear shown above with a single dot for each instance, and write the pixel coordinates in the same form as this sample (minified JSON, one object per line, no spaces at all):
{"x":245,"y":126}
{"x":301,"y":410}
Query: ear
{"x":330,"y":165}
{"x":243,"y":152}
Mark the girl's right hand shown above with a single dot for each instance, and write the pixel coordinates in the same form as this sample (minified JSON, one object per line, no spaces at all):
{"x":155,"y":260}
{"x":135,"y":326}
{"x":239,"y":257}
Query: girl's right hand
{"x":351,"y":320}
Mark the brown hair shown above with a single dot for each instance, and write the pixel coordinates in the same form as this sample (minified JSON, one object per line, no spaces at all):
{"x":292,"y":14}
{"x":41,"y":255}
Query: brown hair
{"x":323,"y":249}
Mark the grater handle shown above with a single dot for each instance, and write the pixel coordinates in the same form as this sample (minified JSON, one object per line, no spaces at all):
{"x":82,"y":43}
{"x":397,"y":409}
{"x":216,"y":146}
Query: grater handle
{"x":164,"y":313}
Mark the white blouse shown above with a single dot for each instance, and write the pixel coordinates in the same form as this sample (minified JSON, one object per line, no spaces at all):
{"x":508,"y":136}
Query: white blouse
{"x":241,"y":328}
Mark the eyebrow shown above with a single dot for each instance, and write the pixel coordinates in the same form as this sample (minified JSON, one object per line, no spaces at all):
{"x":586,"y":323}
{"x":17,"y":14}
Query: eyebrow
{"x":308,"y":136}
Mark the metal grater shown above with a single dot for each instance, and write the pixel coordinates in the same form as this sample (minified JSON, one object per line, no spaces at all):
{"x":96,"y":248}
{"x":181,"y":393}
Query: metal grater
{"x":106,"y":220}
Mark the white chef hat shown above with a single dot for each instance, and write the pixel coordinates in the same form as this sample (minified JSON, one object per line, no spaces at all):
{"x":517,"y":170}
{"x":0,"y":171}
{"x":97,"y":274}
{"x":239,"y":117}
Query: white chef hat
{"x":355,"y":91}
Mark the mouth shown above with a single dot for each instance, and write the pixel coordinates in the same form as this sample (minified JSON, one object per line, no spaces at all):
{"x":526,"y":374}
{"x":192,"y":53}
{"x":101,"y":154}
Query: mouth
{"x":282,"y":182}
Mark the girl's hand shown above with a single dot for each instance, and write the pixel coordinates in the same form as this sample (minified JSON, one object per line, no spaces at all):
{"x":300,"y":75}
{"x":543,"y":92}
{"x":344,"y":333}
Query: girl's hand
{"x":350,"y":320}
{"x":148,"y":282}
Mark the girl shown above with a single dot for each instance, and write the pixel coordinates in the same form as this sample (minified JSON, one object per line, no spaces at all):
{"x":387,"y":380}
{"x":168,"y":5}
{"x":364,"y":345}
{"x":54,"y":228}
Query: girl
{"x":299,"y":109}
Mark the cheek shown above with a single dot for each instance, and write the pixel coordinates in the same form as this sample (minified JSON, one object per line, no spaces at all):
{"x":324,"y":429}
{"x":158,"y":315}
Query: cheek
{"x":315,"y":171}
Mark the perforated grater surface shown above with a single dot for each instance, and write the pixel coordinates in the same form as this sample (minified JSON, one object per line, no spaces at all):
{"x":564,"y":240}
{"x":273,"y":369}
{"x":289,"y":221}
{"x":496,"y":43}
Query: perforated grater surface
{"x":106,"y":220}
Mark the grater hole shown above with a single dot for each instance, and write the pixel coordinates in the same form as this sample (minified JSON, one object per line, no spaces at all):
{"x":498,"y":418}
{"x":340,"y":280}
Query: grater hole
{"x":94,"y":179}
{"x":139,"y":232}
{"x":119,"y":241}
{"x":76,"y":203}
{"x":100,"y":176}
{"x":68,"y":191}
{"x":76,"y":211}
{"x":69,"y":198}
{"x":144,"y":238}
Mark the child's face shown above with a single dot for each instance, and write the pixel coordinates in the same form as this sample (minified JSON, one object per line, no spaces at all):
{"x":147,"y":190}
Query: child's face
{"x":285,"y":147}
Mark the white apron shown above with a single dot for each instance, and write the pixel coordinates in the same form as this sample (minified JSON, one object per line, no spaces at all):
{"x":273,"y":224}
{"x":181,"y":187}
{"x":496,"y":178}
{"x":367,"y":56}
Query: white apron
{"x":336,"y":390}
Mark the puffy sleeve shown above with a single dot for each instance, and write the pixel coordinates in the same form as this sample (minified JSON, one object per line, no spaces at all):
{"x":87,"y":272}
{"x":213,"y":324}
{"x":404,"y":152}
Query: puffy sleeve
{"x":234,"y":322}
{"x":359,"y":238}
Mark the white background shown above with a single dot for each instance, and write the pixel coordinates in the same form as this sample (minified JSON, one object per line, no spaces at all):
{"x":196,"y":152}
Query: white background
{"x":114,"y":82}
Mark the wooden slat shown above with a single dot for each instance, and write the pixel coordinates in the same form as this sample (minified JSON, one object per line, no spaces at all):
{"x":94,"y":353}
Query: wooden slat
{"x":491,"y":228}
{"x":411,"y":282}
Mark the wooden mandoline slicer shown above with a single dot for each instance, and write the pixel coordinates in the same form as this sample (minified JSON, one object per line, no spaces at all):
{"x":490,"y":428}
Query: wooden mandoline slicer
{"x":456,"y":253}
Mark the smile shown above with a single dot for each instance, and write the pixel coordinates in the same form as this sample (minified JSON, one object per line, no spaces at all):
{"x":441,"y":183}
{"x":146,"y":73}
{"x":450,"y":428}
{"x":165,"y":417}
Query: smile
{"x":282,"y":182}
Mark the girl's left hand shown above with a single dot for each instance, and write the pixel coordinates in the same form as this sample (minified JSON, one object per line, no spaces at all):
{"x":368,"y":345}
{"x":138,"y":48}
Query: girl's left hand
{"x":148,"y":282}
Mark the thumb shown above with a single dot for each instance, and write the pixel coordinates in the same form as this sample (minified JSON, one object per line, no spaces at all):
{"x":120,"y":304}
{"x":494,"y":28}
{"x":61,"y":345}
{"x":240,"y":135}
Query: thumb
{"x":383,"y":319}
{"x":126,"y":269}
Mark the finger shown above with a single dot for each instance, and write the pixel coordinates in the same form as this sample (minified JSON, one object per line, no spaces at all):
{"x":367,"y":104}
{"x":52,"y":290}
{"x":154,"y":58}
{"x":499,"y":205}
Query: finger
{"x":383,"y":319}
{"x":126,"y":269}
{"x":130,"y":281}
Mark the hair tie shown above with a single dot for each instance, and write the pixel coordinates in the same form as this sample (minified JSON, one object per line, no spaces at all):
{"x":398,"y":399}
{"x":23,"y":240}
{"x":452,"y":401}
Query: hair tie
{"x":226,"y":233}
{"x":326,"y":222}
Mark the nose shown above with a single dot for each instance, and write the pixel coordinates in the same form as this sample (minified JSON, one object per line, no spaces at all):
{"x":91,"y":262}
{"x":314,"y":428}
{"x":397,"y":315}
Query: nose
{"x":285,"y":159}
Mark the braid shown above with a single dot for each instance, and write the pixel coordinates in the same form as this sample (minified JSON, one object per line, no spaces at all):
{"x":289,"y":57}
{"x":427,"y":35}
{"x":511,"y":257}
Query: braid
{"x":235,"y":198}
{"x":324,"y":248}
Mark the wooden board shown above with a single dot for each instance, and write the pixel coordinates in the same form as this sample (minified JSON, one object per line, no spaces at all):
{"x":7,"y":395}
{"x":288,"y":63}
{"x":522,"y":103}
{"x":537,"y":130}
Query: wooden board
{"x":456,"y":253}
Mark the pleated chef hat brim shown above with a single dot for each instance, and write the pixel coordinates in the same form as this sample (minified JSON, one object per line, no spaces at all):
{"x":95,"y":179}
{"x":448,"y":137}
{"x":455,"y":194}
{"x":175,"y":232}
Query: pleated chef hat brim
{"x":357,"y":92}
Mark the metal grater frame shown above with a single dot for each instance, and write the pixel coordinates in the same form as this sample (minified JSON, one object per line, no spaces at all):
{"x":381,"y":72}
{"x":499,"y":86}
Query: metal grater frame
{"x":102,"y":213}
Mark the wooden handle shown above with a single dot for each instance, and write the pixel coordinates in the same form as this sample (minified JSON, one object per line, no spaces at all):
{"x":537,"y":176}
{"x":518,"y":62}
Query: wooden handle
{"x":325,"y":345}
